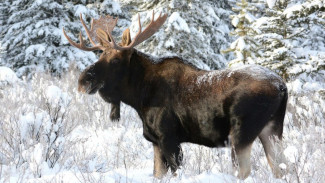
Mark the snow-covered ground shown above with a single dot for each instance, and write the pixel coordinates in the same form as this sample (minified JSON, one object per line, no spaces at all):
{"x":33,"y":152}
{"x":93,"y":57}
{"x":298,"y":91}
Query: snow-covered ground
{"x":51,"y":133}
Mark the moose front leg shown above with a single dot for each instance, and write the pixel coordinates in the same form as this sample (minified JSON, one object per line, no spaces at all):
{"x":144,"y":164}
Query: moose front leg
{"x":115,"y":112}
{"x":160,"y":163}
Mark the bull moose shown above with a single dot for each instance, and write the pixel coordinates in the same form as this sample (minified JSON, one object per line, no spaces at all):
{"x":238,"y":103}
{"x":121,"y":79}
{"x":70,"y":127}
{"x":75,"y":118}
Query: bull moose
{"x":178,"y":102}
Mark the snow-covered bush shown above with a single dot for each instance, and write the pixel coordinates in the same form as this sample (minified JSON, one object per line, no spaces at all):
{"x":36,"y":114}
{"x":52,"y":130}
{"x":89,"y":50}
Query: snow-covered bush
{"x":34,"y":126}
{"x":7,"y":77}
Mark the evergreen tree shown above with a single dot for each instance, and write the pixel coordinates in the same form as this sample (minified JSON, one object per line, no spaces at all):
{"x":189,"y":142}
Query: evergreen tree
{"x":195,"y":30}
{"x":4,"y":14}
{"x":276,"y":52}
{"x":245,"y":47}
{"x":289,"y":34}
{"x":32,"y":39}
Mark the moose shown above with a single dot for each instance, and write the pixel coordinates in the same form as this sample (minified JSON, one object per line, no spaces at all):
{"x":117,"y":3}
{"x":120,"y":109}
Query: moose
{"x":178,"y":102}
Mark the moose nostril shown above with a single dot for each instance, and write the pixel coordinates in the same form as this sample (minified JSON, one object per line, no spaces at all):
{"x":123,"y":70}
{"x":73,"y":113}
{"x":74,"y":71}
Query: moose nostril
{"x":81,"y":89}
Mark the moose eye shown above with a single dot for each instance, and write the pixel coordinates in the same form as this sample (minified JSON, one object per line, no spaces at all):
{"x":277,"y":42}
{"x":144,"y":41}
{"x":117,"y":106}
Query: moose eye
{"x":115,"y":60}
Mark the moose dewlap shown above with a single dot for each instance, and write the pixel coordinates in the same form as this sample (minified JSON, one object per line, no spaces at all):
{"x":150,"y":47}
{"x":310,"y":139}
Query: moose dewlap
{"x":180,"y":103}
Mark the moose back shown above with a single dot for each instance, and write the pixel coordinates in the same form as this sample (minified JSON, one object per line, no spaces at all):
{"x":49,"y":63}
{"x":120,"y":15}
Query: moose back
{"x":180,"y":103}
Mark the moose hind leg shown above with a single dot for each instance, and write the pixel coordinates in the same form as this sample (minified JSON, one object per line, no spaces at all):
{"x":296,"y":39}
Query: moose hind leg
{"x":172,"y":151}
{"x":160,"y":163}
{"x":271,"y":141}
{"x":241,"y":159}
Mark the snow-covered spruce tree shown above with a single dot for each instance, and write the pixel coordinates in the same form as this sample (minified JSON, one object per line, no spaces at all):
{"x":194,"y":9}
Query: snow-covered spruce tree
{"x":33,"y":39}
{"x":307,"y":74}
{"x":293,"y":46}
{"x":245,"y":47}
{"x":195,"y":30}
{"x":308,"y":25}
{"x":4,"y":13}
{"x":274,"y":38}
{"x":287,"y":31}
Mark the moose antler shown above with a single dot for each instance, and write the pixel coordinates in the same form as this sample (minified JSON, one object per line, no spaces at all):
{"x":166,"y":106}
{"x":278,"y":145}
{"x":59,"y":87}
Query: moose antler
{"x":101,"y":31}
{"x":140,"y":36}
{"x":105,"y":23}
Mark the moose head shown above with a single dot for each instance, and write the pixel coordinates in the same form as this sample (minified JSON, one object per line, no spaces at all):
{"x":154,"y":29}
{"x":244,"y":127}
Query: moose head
{"x":110,"y":68}
{"x":112,"y":62}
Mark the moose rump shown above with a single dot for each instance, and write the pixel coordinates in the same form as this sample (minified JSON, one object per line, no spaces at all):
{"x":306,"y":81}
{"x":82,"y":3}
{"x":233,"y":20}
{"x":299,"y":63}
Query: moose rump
{"x":214,"y":108}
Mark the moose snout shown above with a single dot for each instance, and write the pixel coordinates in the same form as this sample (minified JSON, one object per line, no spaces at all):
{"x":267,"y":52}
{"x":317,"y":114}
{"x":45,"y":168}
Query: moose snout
{"x":81,"y":89}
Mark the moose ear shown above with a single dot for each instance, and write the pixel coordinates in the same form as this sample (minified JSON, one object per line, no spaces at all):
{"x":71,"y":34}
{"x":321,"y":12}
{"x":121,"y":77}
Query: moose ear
{"x":126,"y":37}
{"x":102,"y":35}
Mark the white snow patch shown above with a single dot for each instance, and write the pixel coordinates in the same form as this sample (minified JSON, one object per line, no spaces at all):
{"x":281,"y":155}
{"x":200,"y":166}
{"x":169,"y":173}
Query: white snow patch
{"x":309,"y":86}
{"x":295,"y":86}
{"x":56,"y":96}
{"x":25,"y":122}
{"x":169,"y":43}
{"x":271,"y":3}
{"x":178,"y":22}
{"x":37,"y":50}
{"x":208,"y":77}
{"x":257,"y":72}
{"x":235,"y":21}
{"x":291,"y":152}
{"x":241,"y":45}
{"x":250,"y":18}
{"x":7,"y":76}
{"x":261,"y":21}
{"x":80,"y":9}
{"x":37,"y":154}
{"x":289,"y":12}
{"x":283,"y":166}
{"x":39,"y":2}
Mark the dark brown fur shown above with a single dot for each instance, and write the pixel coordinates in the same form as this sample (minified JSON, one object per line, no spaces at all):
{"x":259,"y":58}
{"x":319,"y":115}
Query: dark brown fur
{"x":179,"y":103}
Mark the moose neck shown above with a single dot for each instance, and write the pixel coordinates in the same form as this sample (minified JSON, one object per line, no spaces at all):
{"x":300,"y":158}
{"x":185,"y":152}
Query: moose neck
{"x":132,"y":90}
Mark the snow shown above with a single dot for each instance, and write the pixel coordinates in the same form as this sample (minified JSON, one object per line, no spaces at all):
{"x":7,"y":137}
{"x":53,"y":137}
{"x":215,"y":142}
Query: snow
{"x":178,"y":22}
{"x":291,"y":153}
{"x":39,"y":49}
{"x":56,"y":96}
{"x":289,"y":12}
{"x":296,"y":86}
{"x":260,"y":21}
{"x":258,"y":72}
{"x":235,"y":21}
{"x":37,"y":154}
{"x":169,"y":43}
{"x":97,"y":149}
{"x":271,"y":3}
{"x":250,"y":18}
{"x":44,"y":115}
{"x":79,"y":9}
{"x":7,"y":76}
{"x":208,"y":77}
{"x":241,"y":45}
{"x":25,"y":122}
